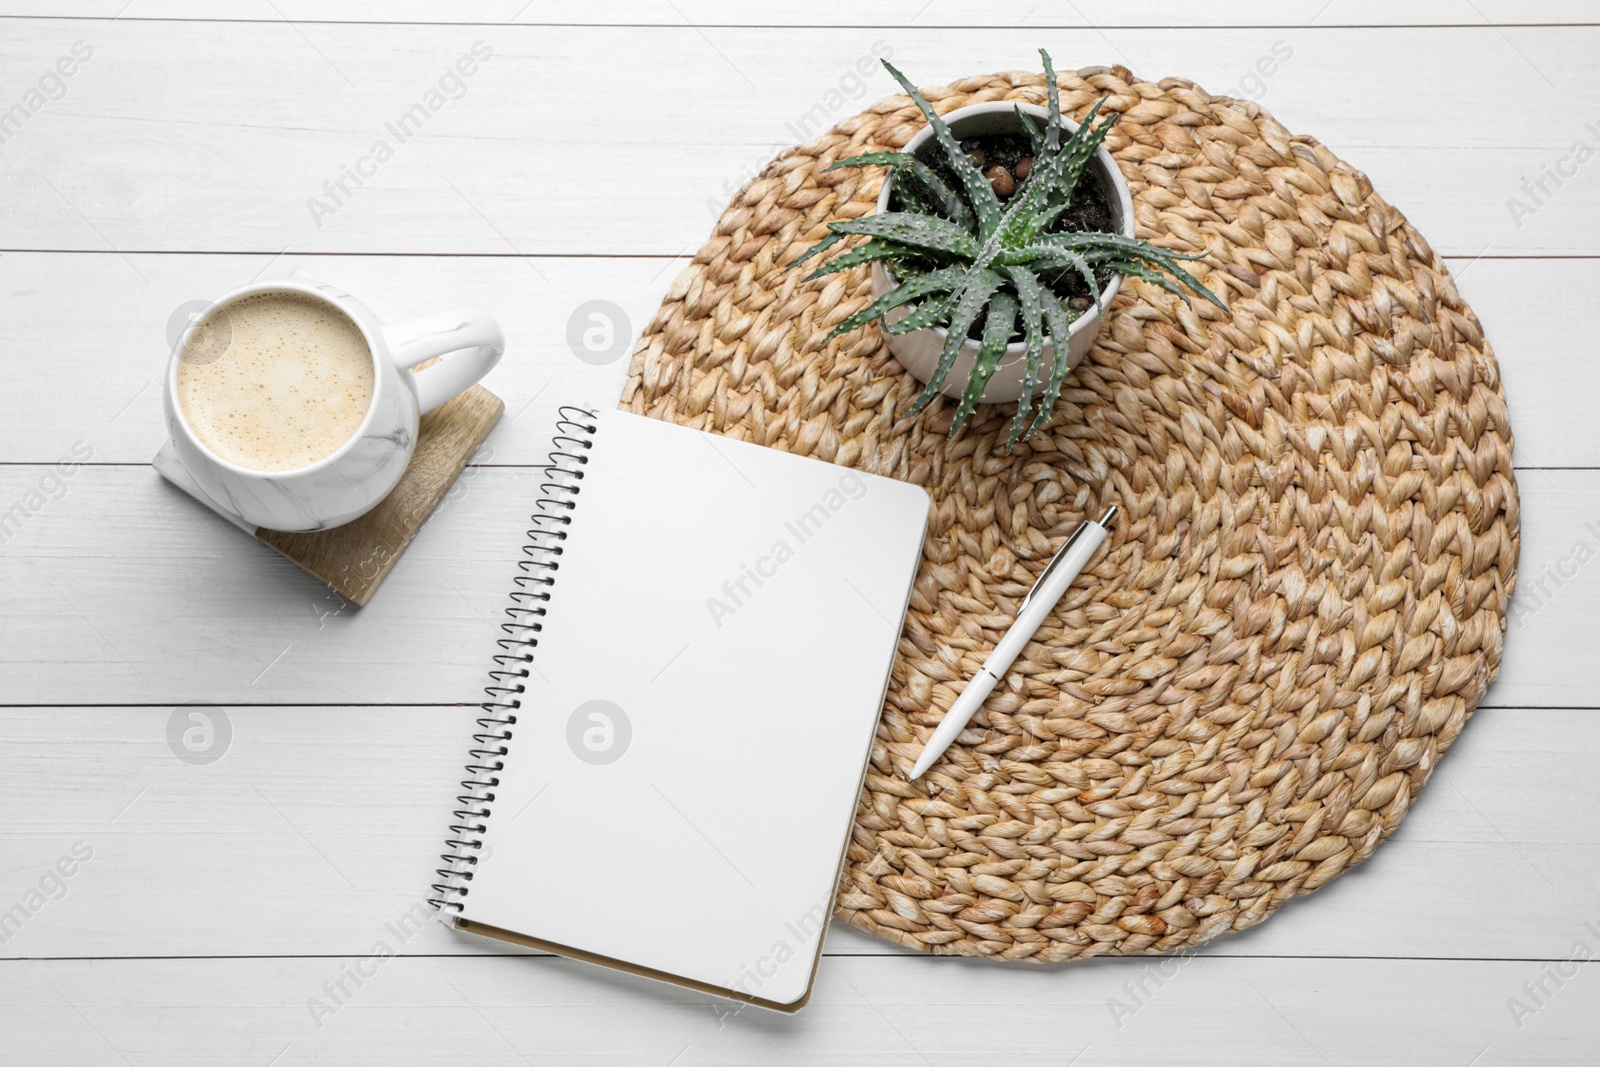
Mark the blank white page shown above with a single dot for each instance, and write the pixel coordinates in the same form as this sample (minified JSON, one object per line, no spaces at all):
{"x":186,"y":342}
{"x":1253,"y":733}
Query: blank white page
{"x":741,"y":607}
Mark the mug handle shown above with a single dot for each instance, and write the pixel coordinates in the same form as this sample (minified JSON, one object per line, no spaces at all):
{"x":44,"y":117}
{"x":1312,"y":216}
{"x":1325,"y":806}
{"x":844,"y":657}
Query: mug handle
{"x":467,"y":343}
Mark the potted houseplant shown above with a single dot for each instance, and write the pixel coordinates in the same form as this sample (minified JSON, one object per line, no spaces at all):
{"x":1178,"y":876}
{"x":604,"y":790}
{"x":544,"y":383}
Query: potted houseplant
{"x":1002,"y":233}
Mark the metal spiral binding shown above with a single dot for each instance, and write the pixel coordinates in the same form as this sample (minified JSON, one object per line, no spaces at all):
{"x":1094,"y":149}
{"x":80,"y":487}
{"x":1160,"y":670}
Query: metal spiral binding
{"x":557,"y":497}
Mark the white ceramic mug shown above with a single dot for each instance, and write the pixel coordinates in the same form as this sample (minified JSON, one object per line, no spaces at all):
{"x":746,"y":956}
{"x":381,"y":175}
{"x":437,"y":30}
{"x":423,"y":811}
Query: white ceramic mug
{"x":354,"y":478}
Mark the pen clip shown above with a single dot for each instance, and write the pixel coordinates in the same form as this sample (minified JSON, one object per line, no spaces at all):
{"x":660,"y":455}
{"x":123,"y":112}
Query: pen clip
{"x":1104,"y":523}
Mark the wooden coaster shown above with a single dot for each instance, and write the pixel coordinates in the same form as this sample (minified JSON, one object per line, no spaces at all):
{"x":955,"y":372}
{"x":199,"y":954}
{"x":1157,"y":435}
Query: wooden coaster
{"x":355,"y":558}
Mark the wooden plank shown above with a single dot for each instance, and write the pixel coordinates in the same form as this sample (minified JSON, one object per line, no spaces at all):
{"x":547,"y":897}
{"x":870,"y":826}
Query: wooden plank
{"x":313,"y":827}
{"x":1203,"y":1011}
{"x":1085,"y":14}
{"x":130,"y":160}
{"x":116,"y":343}
{"x":179,"y":605}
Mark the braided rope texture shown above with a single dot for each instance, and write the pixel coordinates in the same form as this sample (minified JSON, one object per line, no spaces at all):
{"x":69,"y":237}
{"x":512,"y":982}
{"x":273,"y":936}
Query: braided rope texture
{"x":1303,"y":601}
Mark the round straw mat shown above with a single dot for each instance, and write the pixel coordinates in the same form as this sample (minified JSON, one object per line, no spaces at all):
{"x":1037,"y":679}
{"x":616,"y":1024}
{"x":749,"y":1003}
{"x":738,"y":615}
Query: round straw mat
{"x":1302,"y":602}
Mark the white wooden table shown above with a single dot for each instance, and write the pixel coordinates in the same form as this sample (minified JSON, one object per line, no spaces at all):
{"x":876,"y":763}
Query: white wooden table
{"x":222,"y":903}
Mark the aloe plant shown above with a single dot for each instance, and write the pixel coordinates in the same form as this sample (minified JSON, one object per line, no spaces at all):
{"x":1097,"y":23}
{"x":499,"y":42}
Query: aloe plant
{"x":959,"y":253}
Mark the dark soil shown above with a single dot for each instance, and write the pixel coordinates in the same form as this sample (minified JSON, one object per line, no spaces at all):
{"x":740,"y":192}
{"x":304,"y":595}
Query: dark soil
{"x":1089,"y":212}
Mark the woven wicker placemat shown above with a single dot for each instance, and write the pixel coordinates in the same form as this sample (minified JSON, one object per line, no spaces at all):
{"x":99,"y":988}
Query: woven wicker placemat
{"x":1299,"y":609}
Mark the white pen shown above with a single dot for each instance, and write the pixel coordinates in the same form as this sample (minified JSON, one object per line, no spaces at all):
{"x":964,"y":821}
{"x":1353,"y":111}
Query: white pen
{"x":1063,"y":567}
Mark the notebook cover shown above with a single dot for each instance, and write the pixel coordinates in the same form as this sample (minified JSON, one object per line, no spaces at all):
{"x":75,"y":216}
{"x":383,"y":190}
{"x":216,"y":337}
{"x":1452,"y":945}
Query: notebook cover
{"x":681,"y":779}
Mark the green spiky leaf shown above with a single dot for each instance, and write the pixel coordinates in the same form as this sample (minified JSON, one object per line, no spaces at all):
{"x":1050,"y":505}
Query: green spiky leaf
{"x":909,"y":228}
{"x":934,"y":282}
{"x":1023,"y":215}
{"x":1021,"y":218}
{"x":1167,"y":272}
{"x":1070,"y":260}
{"x":1135,"y":269}
{"x":1058,"y":318}
{"x":980,"y":194}
{"x":1029,"y":293}
{"x":997,"y":330}
{"x":973,"y":296}
{"x":870,"y":252}
{"x":818,"y":248}
{"x":1030,"y":126}
{"x":1082,"y":242}
{"x":923,"y":185}
{"x":1194,"y":284}
{"x":932,"y":312}
{"x":1114,"y":249}
{"x":1107,"y":249}
{"x":1081,"y":149}
{"x":1052,"y":93}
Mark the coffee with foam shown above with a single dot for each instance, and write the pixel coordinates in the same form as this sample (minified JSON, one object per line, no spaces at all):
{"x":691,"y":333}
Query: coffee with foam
{"x":275,"y":381}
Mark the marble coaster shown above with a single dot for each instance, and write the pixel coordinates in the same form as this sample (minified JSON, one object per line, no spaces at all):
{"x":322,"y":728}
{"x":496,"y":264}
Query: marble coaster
{"x":355,"y":558}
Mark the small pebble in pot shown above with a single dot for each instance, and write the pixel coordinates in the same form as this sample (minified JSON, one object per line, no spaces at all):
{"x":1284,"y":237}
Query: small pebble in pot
{"x":1000,"y":178}
{"x":1023,"y":168}
{"x":1080,"y":303}
{"x":978,"y":156}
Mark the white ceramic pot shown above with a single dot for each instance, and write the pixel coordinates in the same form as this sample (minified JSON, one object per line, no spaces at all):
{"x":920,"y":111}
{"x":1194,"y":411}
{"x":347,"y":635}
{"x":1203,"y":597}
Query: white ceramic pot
{"x":918,"y":351}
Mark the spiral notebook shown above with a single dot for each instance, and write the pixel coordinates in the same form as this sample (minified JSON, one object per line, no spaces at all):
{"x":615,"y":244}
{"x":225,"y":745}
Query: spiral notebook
{"x":682,"y":706}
